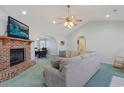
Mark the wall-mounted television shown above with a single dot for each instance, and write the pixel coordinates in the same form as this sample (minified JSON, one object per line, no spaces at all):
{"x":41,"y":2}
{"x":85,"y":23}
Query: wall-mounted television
{"x":17,"y":29}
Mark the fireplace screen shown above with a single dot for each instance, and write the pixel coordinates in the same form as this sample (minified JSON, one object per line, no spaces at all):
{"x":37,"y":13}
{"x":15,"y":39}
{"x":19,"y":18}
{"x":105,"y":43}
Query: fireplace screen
{"x":16,"y":56}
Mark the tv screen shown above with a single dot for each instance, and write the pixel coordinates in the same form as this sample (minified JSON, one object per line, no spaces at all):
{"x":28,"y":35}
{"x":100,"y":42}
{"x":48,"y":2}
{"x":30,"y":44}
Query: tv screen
{"x":17,"y":29}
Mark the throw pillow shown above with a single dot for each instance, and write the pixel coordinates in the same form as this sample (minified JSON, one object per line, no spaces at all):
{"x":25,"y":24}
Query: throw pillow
{"x":56,"y":62}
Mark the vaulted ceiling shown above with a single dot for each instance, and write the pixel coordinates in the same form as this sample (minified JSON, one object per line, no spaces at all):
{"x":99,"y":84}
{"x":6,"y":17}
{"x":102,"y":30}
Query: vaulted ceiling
{"x":40,"y":18}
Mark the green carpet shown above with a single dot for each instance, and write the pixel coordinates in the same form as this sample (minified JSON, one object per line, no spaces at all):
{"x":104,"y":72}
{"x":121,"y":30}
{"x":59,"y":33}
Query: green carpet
{"x":104,"y":76}
{"x":32,"y":77}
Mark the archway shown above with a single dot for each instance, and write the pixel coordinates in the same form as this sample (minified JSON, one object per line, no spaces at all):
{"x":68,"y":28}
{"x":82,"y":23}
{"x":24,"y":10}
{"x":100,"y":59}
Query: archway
{"x":81,"y":44}
{"x":48,"y":42}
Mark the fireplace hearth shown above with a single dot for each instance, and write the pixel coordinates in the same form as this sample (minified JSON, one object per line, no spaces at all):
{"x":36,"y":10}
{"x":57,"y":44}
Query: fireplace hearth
{"x":16,"y":56}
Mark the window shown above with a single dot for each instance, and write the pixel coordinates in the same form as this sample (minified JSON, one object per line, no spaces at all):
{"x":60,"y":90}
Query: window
{"x":42,"y":43}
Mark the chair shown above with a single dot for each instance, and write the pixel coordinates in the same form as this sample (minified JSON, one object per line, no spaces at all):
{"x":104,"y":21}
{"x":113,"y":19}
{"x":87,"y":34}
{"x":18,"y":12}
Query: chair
{"x":118,"y":60}
{"x":44,"y":52}
{"x":41,"y":53}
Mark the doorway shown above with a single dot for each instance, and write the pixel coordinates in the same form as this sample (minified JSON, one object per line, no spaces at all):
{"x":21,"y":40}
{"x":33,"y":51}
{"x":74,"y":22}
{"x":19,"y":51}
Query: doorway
{"x":81,"y":43}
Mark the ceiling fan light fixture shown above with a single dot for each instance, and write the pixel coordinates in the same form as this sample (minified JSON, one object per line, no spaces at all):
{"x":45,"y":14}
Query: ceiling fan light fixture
{"x":54,"y":22}
{"x":68,"y":21}
{"x":71,"y":23}
{"x":69,"y":26}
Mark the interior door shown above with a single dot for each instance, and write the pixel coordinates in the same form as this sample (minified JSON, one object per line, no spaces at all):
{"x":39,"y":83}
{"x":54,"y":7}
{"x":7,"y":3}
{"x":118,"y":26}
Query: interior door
{"x":81,"y":45}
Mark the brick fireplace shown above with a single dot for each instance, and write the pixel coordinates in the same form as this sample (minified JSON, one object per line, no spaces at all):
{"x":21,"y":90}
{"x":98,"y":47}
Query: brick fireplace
{"x":11,"y":65}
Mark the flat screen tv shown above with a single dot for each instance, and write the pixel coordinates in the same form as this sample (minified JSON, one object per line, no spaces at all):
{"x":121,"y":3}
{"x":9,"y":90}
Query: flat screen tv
{"x":17,"y":29}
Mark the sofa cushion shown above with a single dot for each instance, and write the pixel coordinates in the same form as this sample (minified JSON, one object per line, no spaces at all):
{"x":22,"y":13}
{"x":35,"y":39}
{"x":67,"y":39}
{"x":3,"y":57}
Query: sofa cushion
{"x":74,"y":53}
{"x":87,"y":54}
{"x":56,"y":62}
{"x":67,"y":61}
{"x":68,"y":54}
{"x":62,"y":53}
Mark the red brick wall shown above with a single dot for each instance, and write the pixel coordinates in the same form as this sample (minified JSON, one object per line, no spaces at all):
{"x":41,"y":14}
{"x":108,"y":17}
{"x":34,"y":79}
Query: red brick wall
{"x":7,"y":72}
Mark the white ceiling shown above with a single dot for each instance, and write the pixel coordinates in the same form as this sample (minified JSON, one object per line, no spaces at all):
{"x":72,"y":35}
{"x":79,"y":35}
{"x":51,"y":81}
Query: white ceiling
{"x":40,"y":18}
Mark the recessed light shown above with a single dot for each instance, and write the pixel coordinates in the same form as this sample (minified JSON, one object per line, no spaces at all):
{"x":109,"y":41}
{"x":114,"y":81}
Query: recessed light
{"x":24,"y":12}
{"x":107,"y":15}
{"x":54,"y":22}
{"x":114,"y":10}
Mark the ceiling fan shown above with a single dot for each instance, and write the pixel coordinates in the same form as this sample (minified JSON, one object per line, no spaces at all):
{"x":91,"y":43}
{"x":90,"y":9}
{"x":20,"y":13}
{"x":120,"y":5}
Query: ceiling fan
{"x":68,"y":21}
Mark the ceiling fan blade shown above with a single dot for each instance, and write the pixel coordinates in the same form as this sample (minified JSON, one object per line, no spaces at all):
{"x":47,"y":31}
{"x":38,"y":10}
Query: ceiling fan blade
{"x":59,"y":23}
{"x":62,"y":18}
{"x":79,"y":20}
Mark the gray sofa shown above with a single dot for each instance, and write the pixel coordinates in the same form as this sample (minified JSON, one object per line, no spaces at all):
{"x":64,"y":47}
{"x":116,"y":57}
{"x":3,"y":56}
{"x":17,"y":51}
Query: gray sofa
{"x":72,"y":72}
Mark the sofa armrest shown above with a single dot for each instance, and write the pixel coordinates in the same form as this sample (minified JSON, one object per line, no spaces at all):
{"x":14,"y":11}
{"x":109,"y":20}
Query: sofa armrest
{"x":53,"y":78}
{"x":55,"y":72}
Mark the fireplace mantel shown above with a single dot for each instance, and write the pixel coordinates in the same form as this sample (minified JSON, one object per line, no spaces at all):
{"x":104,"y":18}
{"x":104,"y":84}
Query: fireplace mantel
{"x":6,"y":39}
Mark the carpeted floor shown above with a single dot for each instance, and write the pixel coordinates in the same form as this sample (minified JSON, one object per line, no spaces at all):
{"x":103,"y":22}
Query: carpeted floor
{"x":32,"y":77}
